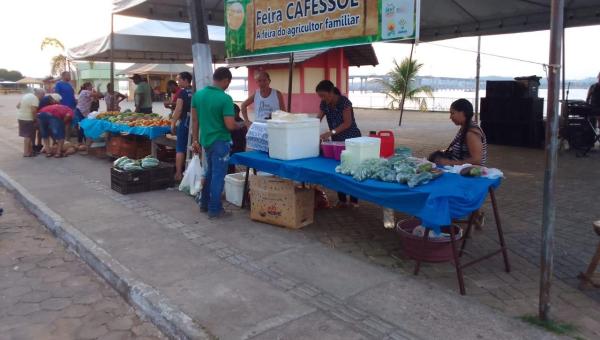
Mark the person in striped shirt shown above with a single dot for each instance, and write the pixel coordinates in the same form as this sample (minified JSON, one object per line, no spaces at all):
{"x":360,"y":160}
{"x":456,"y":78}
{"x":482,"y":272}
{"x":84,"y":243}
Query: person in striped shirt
{"x":469,"y":146}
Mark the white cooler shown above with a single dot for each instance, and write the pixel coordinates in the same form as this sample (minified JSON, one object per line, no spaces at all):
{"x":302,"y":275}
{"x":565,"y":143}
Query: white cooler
{"x":294,"y":138}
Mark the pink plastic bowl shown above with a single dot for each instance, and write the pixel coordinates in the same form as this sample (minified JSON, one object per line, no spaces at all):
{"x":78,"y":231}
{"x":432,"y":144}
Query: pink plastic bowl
{"x":338,"y":147}
{"x":327,"y":149}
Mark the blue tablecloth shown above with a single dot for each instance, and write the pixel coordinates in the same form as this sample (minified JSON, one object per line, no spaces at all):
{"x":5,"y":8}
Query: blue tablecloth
{"x":94,"y":128}
{"x":435,"y":203}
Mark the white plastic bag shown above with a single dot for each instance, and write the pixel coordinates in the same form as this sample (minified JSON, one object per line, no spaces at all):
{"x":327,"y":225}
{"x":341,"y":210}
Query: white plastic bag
{"x":192,"y":178}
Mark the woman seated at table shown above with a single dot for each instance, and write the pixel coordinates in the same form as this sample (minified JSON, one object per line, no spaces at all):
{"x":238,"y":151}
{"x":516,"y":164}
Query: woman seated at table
{"x":340,"y":119}
{"x":469,"y":146}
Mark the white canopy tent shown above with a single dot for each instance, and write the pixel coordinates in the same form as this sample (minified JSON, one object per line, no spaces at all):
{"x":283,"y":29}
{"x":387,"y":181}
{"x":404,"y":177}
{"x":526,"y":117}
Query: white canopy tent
{"x":149,"y":42}
{"x":440,"y":19}
{"x":160,"y":69}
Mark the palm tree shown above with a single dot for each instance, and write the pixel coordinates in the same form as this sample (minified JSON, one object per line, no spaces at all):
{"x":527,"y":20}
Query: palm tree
{"x":59,"y":63}
{"x":401,"y":75}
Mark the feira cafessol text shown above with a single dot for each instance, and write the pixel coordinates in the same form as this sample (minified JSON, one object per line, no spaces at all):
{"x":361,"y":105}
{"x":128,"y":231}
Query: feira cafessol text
{"x":299,"y":9}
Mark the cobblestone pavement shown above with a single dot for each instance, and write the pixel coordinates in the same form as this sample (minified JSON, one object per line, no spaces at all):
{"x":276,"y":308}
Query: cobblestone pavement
{"x":360,"y":233}
{"x":46,"y":292}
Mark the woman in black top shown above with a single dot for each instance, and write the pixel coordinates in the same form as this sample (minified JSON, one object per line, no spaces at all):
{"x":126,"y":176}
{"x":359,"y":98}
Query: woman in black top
{"x":340,"y":119}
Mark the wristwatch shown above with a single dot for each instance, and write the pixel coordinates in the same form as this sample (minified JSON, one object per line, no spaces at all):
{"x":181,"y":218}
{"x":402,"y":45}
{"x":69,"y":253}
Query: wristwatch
{"x":333,"y":132}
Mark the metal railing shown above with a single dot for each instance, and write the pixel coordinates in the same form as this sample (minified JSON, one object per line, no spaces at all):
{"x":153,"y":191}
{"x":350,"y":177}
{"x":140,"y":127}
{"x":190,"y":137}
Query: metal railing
{"x":373,"y":100}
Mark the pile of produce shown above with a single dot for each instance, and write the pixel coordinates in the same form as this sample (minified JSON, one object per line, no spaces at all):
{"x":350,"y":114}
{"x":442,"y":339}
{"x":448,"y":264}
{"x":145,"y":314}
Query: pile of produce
{"x":128,"y":164}
{"x":134,"y":119}
{"x":399,"y":168}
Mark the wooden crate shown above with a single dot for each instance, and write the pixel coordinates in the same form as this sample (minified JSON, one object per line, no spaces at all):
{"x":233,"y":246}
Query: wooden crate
{"x":134,"y":147}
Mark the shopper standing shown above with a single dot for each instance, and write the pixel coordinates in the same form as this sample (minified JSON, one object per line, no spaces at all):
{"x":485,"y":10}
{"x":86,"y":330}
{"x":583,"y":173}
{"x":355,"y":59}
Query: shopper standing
{"x":142,"y":94}
{"x":113,"y":98}
{"x":67,"y":94}
{"x":26,"y":116}
{"x":213,"y":117}
{"x":180,"y":122}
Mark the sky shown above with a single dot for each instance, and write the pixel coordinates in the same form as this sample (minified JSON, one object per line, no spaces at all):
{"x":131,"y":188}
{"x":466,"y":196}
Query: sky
{"x":77,"y":21}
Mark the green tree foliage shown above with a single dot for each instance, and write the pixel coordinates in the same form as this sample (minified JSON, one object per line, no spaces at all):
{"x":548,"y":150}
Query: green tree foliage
{"x":58,"y":63}
{"x":10,"y":75}
{"x":403,"y":79}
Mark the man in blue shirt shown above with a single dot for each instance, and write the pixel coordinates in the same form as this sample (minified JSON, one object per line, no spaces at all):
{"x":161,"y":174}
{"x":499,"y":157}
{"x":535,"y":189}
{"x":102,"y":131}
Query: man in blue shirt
{"x":66,"y":91}
{"x":64,"y":88}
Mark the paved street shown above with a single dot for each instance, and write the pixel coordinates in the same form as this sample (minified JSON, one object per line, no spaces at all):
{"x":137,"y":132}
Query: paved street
{"x":46,"y":292}
{"x":344,"y":276}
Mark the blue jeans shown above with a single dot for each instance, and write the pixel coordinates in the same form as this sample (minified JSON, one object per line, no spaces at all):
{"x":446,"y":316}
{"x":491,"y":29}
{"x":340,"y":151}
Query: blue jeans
{"x":217,"y":159}
{"x":75,"y":123}
{"x":50,"y":125}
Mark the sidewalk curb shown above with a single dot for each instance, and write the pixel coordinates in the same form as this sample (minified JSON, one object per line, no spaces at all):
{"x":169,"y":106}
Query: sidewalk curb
{"x":173,"y":322}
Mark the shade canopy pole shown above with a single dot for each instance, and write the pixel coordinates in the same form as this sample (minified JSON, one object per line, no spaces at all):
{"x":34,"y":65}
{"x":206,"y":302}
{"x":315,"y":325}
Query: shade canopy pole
{"x":549,"y":207}
{"x":112,"y":47}
{"x":564,"y":75}
{"x":477,"y":78}
{"x":407,"y":82}
{"x":200,"y":45}
{"x":290,"y":80}
{"x":202,"y":57}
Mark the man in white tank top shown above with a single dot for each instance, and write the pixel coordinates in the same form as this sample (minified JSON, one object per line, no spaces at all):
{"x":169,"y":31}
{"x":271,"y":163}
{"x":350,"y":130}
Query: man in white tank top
{"x":266,"y":100}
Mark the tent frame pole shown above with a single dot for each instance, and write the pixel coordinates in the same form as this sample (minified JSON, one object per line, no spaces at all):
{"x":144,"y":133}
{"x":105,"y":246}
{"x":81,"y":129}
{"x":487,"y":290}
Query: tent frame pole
{"x":477,"y":78}
{"x":290,"y":81}
{"x":549,"y":207}
{"x":412,"y":48}
{"x":564,"y":75}
{"x":112,"y":47}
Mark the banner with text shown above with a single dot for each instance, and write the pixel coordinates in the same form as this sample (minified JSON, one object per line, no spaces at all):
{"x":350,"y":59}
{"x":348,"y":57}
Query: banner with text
{"x":255,"y":27}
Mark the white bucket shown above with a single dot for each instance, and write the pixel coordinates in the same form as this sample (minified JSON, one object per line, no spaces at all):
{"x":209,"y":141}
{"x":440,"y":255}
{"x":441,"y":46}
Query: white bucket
{"x":234,"y":188}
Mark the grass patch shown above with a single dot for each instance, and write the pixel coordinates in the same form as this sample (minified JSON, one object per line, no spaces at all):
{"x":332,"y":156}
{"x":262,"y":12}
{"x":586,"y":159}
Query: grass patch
{"x":550,"y":325}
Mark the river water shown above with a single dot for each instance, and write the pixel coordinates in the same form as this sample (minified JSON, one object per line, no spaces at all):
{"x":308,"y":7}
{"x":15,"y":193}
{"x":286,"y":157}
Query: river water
{"x":440,"y":101}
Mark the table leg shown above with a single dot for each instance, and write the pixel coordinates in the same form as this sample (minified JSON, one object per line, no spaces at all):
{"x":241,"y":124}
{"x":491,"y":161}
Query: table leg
{"x":245,"y":194}
{"x":587,"y":277}
{"x":467,"y":233}
{"x":459,"y":272}
{"x":153,"y":148}
{"x":500,"y":232}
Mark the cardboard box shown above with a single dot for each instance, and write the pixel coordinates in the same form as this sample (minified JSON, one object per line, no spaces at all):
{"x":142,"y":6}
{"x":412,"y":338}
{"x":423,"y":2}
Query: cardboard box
{"x":280,"y":202}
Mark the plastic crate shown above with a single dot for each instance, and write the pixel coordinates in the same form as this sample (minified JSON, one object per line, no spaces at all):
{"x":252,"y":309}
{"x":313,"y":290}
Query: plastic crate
{"x":128,"y":187}
{"x":162,"y":171}
{"x":129,"y":182}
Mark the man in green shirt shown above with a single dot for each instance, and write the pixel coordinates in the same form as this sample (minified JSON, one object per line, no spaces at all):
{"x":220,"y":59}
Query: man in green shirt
{"x":213,"y":117}
{"x":142,"y":94}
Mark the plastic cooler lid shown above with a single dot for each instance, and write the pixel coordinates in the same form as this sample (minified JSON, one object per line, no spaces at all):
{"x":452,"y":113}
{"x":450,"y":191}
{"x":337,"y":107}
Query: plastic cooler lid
{"x":295,"y":123}
{"x":363,"y":141}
